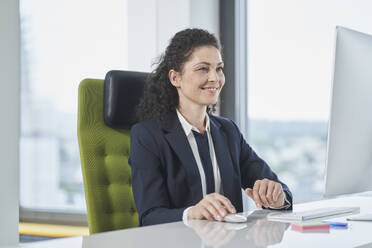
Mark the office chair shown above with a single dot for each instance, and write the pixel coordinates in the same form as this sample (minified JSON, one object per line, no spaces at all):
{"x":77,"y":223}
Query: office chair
{"x":106,"y":112}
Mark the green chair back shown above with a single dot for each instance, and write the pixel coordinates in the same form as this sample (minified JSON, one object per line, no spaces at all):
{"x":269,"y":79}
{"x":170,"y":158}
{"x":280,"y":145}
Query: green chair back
{"x":104,"y":155}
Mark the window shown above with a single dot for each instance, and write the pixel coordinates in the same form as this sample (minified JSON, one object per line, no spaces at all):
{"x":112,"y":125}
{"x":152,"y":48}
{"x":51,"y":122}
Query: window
{"x":290,"y":68}
{"x":62,"y":42}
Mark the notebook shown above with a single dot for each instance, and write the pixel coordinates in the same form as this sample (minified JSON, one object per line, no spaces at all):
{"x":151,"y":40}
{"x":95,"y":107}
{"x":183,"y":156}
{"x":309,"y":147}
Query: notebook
{"x":312,"y":225}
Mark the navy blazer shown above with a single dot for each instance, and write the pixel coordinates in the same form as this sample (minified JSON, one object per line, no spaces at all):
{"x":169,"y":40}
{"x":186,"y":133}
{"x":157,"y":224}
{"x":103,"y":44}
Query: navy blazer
{"x":165,"y":176}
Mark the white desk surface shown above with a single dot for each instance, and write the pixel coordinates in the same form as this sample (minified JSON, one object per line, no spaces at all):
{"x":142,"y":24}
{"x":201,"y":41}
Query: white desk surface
{"x":256,"y":233}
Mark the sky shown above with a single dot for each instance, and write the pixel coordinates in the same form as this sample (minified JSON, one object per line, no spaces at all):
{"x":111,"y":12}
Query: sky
{"x":71,"y":40}
{"x":291,"y":47}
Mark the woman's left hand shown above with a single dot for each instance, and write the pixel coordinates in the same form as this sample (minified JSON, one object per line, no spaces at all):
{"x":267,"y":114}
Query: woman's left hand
{"x":267,"y":193}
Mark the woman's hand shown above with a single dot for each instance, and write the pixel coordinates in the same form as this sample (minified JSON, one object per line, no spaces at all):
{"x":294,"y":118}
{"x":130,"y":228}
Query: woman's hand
{"x":267,"y":193}
{"x":212,"y":207}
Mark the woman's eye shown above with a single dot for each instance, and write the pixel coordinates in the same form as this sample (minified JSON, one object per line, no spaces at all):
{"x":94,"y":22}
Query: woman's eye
{"x":219,"y":68}
{"x":203,"y":69}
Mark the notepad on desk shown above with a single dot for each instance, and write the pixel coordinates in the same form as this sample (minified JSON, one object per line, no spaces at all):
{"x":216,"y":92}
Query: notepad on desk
{"x":313,"y":214}
{"x":311,"y":225}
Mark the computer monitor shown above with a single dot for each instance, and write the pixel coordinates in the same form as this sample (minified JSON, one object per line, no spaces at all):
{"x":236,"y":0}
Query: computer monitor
{"x":349,"y":147}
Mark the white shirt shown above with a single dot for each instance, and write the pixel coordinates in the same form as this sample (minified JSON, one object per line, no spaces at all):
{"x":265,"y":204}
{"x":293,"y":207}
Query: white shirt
{"x":188,"y":128}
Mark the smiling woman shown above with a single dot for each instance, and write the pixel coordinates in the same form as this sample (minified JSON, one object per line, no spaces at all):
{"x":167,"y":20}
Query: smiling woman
{"x":187,"y":163}
{"x":199,"y":83}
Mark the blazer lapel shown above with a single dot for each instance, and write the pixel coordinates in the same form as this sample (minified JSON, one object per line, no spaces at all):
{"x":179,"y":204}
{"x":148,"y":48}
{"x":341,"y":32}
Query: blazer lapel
{"x":225,"y":164}
{"x":178,"y":141}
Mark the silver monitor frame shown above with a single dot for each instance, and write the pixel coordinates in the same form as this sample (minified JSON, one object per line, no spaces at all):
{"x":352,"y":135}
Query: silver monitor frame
{"x":349,"y":144}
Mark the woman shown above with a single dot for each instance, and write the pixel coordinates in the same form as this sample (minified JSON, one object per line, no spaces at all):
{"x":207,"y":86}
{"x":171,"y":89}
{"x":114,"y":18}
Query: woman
{"x":187,"y":163}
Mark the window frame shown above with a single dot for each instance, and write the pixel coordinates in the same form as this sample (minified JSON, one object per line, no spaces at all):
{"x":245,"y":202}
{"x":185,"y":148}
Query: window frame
{"x":234,"y":40}
{"x":50,"y":216}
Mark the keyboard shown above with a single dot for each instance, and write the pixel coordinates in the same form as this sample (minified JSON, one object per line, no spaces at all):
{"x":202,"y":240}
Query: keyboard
{"x":313,"y":214}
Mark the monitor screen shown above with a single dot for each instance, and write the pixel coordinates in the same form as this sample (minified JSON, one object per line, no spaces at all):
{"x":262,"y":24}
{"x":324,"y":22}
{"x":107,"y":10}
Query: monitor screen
{"x":349,"y":148}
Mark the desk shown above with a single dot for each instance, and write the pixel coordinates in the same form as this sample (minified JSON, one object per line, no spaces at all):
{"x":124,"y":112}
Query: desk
{"x":257,"y":233}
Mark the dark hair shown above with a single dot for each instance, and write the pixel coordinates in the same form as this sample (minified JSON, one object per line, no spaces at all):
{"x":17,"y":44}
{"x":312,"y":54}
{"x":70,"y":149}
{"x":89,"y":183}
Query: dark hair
{"x":160,"y":96}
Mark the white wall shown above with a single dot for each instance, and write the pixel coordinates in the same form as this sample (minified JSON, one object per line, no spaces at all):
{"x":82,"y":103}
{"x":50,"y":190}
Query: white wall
{"x":205,"y":14}
{"x":141,"y":34}
{"x":9,"y":123}
{"x":150,"y":32}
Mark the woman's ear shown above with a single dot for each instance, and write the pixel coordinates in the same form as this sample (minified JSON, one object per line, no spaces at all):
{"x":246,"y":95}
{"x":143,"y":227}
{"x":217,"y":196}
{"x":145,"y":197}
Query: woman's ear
{"x":174,"y":78}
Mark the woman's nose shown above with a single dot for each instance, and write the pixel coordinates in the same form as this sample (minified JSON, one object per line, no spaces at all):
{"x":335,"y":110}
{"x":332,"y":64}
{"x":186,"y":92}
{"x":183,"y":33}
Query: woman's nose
{"x":213,"y":76}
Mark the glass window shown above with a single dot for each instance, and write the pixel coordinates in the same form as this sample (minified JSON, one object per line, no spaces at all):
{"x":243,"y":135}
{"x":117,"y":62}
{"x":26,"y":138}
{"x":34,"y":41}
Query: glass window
{"x":62,"y":42}
{"x":290,"y":57}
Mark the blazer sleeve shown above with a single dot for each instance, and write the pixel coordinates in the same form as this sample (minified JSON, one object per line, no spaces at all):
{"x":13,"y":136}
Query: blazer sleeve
{"x":253,"y":168}
{"x":148,"y":180}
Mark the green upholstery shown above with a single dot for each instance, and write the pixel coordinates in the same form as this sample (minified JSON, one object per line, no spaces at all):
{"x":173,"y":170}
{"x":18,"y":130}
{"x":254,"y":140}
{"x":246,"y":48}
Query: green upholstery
{"x":104,"y":159}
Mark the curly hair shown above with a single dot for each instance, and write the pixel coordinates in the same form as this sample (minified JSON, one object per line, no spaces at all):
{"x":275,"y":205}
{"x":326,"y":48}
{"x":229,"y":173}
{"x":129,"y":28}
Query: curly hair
{"x":160,"y":96}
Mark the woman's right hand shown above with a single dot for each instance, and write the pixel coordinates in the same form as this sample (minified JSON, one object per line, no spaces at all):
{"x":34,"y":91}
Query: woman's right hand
{"x":212,"y":207}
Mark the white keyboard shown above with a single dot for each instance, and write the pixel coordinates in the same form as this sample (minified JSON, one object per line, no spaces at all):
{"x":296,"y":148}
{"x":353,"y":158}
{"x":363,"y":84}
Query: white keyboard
{"x":313,"y":214}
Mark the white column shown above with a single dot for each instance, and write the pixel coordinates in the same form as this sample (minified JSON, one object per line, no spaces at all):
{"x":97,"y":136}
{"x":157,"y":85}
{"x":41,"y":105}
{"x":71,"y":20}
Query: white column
{"x":205,"y":14}
{"x":172,"y":16}
{"x":175,"y":15}
{"x":141,"y":34}
{"x":9,"y":124}
{"x":152,"y":23}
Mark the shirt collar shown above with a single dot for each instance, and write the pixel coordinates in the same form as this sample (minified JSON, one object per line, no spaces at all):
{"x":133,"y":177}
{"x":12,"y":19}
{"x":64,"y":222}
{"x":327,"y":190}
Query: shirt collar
{"x":187,"y":127}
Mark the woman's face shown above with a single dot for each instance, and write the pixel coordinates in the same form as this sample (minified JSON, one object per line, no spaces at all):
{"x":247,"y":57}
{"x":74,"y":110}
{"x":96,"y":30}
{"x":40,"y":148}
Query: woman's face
{"x":201,"y":79}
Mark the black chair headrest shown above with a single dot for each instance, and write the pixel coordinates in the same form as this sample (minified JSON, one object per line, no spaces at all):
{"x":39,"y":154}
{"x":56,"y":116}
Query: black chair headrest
{"x":122,"y":93}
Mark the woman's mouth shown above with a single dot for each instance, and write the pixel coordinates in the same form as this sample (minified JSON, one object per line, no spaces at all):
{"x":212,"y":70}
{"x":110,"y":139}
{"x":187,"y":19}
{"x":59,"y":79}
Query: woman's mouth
{"x":210,"y":89}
